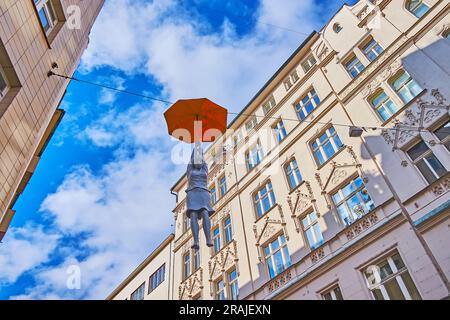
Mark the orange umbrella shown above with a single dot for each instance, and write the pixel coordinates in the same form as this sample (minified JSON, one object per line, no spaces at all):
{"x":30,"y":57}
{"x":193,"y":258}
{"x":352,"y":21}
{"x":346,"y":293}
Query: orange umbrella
{"x":194,"y":120}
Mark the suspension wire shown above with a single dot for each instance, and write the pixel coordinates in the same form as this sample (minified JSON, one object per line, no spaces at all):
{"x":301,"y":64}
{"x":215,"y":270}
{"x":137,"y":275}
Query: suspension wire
{"x":51,"y":73}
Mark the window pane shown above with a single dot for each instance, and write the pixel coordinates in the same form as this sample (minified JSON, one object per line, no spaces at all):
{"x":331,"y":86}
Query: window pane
{"x":393,"y":290}
{"x":3,"y":84}
{"x":418,"y":150}
{"x":426,"y":172}
{"x":44,"y":20}
{"x":436,"y":165}
{"x":410,"y":286}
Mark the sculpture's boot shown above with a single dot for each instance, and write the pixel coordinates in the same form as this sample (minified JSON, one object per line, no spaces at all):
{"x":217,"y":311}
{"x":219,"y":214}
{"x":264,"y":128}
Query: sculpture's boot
{"x":195,"y":229}
{"x":207,"y":227}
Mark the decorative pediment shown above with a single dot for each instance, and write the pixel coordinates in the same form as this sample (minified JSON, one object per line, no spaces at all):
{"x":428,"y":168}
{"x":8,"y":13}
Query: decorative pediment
{"x":270,"y":228}
{"x":191,"y":286}
{"x":218,"y":216}
{"x":415,"y":120}
{"x":223,"y":260}
{"x":300,"y":203}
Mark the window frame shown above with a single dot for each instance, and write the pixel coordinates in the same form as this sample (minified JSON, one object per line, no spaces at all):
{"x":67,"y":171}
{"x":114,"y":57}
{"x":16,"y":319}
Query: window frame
{"x":227,"y":230}
{"x":187,"y":265}
{"x":216,"y":239}
{"x":213,"y":194}
{"x":413,"y":11}
{"x":344,"y":198}
{"x":369,"y":46}
{"x":155,"y":279}
{"x":233,"y":283}
{"x":423,"y":157}
{"x":271,"y":103}
{"x":289,"y":169}
{"x":308,"y":63}
{"x":258,"y":202}
{"x":445,"y":141}
{"x":320,"y":145}
{"x":220,"y":291}
{"x":351,"y":64}
{"x":135,"y":292}
{"x":253,"y":121}
{"x":277,"y":129}
{"x":283,"y":248}
{"x":250,"y":153}
{"x":311,"y":224}
{"x":404,"y":85}
{"x":300,"y":104}
{"x":3,"y":76}
{"x":395,"y":275}
{"x":332,"y":292}
{"x":223,"y":188}
{"x":383,"y":104}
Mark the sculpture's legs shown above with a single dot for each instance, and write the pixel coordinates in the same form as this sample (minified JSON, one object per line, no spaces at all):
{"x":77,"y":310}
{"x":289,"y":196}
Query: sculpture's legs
{"x":195,"y":229}
{"x":207,"y":227}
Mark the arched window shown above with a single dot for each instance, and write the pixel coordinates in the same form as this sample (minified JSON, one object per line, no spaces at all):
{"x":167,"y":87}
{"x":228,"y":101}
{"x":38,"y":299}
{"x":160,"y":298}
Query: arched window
{"x":417,"y":7}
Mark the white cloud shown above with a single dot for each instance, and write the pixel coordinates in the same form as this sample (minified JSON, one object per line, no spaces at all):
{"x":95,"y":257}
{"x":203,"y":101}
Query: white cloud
{"x":23,"y":250}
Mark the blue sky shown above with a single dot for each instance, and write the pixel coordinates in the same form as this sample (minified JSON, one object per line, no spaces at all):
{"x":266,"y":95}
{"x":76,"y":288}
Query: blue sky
{"x":99,"y":199}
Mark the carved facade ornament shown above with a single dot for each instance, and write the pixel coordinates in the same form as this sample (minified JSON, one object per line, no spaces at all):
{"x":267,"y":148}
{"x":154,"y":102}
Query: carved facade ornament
{"x":383,"y":75}
{"x":192,"y":286}
{"x":269,"y":229}
{"x":317,"y":255}
{"x":226,"y":258}
{"x":361,"y":225}
{"x":302,"y":203}
{"x":280,"y":280}
{"x":414,"y":121}
{"x":441,"y":187}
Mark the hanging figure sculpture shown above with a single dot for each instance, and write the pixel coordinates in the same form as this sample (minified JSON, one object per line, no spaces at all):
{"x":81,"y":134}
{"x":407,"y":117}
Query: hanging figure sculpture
{"x":198,"y":200}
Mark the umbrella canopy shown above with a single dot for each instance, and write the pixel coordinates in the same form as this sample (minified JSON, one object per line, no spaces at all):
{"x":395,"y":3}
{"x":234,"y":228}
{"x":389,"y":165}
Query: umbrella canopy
{"x":194,"y":120}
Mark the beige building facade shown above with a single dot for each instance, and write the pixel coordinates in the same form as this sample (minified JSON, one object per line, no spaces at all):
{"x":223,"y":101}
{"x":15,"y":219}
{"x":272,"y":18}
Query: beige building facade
{"x":35,"y":36}
{"x":332,"y":183}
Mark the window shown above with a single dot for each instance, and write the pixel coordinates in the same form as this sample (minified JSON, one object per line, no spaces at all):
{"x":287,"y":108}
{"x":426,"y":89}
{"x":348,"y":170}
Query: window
{"x":186,"y":265}
{"x":427,"y":163}
{"x":277,"y":256}
{"x":333,"y":294}
{"x":325,"y":146}
{"x":46,"y":13}
{"x":157,"y":278}
{"x":446,"y":34}
{"x":254,"y":156}
{"x":307,"y":104}
{"x":227,"y":230}
{"x":417,"y":7}
{"x":223,"y":185}
{"x":233,"y":283}
{"x":4,"y":86}
{"x":250,"y":124}
{"x":216,"y":239}
{"x":280,"y":131}
{"x":264,"y":199}
{"x":213,"y":194}
{"x":308,"y":63}
{"x":196,"y":260}
{"x":186,"y":222}
{"x":294,"y":76}
{"x":293,"y":174}
{"x":390,"y":280}
{"x":237,"y":138}
{"x":220,"y":290}
{"x":312,"y":231}
{"x":352,"y":201}
{"x":268,"y":105}
{"x":287,"y":83}
{"x":354,"y":66}
{"x":443,"y":134}
{"x":372,"y":49}
{"x":383,"y":105}
{"x":139,"y":293}
{"x":405,"y":86}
